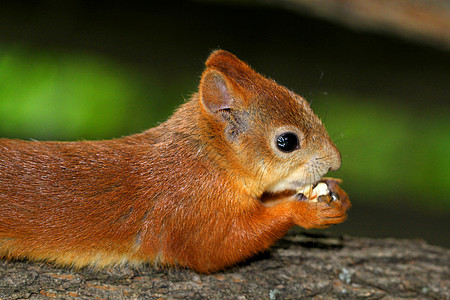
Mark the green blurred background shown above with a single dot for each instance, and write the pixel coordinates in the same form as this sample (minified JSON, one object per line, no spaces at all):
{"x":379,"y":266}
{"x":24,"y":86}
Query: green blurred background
{"x":73,"y":70}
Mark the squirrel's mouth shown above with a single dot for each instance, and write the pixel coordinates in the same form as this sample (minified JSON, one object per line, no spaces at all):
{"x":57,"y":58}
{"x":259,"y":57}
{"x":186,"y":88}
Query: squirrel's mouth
{"x":324,"y":189}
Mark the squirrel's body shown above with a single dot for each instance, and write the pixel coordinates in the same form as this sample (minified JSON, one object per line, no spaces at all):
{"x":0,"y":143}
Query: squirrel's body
{"x":187,"y":192}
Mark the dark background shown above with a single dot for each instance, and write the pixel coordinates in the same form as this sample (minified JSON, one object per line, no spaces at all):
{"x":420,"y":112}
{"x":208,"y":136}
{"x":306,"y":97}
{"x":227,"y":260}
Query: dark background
{"x":72,"y":70}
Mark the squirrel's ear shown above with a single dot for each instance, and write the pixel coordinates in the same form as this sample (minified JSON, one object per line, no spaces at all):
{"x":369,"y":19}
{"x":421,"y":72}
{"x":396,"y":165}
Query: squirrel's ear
{"x":222,"y":99}
{"x":216,"y":92}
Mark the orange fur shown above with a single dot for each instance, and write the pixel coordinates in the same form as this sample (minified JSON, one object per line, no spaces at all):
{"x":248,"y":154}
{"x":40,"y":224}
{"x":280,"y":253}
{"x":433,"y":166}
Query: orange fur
{"x":188,"y":192}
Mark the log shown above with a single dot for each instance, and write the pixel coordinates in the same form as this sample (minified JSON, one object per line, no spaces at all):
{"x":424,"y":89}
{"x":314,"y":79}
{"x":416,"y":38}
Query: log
{"x":298,"y":266}
{"x":423,"y":20}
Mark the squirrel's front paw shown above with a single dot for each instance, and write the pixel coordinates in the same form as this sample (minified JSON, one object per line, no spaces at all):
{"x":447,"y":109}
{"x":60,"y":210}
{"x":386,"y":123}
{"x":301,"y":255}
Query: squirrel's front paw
{"x":321,"y":205}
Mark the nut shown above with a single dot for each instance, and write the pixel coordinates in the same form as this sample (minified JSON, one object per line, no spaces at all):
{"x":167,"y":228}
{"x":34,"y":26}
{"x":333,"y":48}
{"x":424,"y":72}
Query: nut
{"x":313,"y":193}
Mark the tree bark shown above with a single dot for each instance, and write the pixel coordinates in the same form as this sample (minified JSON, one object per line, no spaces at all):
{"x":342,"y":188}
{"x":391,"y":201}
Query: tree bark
{"x":298,"y":266}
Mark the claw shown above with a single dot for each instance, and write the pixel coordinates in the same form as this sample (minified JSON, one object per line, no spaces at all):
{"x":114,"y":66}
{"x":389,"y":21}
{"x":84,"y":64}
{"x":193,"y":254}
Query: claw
{"x":301,"y":197}
{"x":334,"y":197}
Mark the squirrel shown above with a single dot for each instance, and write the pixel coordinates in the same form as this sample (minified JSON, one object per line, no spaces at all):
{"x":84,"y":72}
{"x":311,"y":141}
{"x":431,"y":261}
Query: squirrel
{"x":213,"y":185}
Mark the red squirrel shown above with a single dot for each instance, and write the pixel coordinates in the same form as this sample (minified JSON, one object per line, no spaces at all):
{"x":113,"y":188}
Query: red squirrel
{"x":221,"y":180}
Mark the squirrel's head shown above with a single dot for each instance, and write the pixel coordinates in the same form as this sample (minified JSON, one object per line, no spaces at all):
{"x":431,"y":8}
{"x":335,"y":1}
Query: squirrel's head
{"x":267,"y":136}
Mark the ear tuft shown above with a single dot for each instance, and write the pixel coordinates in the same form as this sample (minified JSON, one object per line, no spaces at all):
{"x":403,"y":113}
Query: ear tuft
{"x":232,"y":67}
{"x":220,"y":57}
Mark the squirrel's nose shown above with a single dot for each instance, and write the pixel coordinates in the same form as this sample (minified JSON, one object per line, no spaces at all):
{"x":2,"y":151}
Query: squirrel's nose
{"x":335,"y":162}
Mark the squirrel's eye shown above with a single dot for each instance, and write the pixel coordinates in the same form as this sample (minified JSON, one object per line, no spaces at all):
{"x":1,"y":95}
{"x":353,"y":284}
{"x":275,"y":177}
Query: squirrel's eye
{"x":287,"y":142}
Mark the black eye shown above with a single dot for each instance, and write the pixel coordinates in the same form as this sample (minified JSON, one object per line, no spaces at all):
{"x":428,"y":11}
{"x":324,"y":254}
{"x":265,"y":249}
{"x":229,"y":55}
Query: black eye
{"x":287,"y":142}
